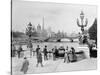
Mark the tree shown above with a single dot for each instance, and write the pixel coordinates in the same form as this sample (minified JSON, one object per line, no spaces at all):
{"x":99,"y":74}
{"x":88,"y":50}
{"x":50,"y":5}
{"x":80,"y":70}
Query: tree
{"x":93,"y":31}
{"x":17,"y":34}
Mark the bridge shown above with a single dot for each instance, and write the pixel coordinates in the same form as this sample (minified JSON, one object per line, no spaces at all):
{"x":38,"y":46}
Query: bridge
{"x":58,"y":39}
{"x":45,"y":39}
{"x":55,"y":38}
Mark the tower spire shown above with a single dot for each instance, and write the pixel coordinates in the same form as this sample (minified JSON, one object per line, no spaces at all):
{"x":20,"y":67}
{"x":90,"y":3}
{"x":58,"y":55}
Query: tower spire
{"x":43,"y":23}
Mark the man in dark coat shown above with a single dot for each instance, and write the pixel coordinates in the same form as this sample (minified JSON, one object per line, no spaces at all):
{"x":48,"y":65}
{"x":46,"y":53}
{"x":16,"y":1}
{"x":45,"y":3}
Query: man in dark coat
{"x":19,"y":51}
{"x":55,"y":51}
{"x":37,"y":49}
{"x":45,"y":53}
{"x":39,"y":56}
{"x":25,"y":65}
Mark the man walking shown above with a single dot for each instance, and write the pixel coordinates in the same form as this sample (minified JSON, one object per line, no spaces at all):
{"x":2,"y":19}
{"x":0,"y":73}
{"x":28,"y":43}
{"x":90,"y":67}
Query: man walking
{"x":19,"y":51}
{"x":39,"y":56}
{"x":45,"y":53}
{"x":54,"y":50}
{"x":37,"y":50}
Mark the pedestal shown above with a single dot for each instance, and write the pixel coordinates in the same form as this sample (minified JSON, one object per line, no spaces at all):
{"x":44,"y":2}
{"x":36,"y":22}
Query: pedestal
{"x":85,"y":49}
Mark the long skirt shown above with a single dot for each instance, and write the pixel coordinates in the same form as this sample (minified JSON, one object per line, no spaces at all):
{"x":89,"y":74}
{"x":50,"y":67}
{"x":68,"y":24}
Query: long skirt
{"x":72,"y":57}
{"x":25,"y":67}
{"x":66,"y":59}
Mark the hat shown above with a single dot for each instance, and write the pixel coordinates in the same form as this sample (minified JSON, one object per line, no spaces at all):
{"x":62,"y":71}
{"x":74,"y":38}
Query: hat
{"x":25,"y":58}
{"x":45,"y":45}
{"x":72,"y":48}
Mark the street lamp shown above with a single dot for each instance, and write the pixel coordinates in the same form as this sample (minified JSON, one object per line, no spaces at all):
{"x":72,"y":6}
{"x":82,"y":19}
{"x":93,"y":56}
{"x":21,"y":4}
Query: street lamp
{"x":82,"y":25}
{"x":29,"y":31}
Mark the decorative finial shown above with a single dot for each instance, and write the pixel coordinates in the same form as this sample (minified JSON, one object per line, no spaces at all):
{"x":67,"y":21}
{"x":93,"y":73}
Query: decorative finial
{"x":81,"y":13}
{"x":30,"y":24}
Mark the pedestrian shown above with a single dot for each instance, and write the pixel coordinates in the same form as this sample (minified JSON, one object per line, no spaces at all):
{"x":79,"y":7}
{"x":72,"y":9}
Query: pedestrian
{"x":39,"y":57}
{"x":19,"y":51}
{"x":37,"y":50}
{"x":13,"y":51}
{"x":90,"y":49}
{"x":45,"y":53}
{"x":55,"y":53}
{"x":74,"y":57}
{"x":85,"y":39}
{"x":50,"y":53}
{"x":30,"y":48}
{"x":66,"y":56}
{"x":25,"y":65}
{"x":67,"y":48}
{"x":33,"y":52}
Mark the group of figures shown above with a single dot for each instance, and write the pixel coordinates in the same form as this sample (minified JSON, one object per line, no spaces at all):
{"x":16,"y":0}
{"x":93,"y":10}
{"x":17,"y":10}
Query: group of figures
{"x":67,"y":55}
{"x":42,"y":55}
{"x":15,"y":52}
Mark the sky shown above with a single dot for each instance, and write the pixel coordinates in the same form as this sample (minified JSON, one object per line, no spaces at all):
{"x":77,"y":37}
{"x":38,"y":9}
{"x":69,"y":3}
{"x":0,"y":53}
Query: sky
{"x":57,"y":16}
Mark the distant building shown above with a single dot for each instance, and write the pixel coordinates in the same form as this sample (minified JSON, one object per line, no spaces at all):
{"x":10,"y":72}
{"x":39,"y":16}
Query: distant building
{"x":39,"y":28}
{"x":34,"y":29}
{"x":53,"y":34}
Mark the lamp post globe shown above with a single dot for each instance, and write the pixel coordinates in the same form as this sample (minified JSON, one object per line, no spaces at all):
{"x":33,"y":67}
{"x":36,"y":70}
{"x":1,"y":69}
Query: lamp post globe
{"x":82,"y":15}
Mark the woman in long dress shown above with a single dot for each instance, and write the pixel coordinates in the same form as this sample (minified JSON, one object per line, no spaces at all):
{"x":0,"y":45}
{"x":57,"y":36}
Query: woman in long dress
{"x":25,"y":65}
{"x":72,"y":55}
{"x":66,"y":56}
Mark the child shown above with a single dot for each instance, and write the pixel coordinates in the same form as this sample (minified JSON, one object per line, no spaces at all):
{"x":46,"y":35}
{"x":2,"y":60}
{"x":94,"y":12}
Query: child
{"x":25,"y":65}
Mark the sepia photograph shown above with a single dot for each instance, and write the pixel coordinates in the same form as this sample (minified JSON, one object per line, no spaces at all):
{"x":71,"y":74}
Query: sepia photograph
{"x":49,"y":37}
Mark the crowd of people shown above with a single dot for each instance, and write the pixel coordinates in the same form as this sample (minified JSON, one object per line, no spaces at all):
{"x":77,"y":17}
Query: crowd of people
{"x":54,"y":52}
{"x":68,"y":55}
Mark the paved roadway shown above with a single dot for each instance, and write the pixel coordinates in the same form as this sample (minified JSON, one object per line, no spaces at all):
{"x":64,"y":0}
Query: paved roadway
{"x":53,"y":66}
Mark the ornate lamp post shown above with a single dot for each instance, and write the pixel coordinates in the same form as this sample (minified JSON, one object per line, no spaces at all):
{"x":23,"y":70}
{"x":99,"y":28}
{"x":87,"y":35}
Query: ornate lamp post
{"x":82,"y":25}
{"x":29,"y":31}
